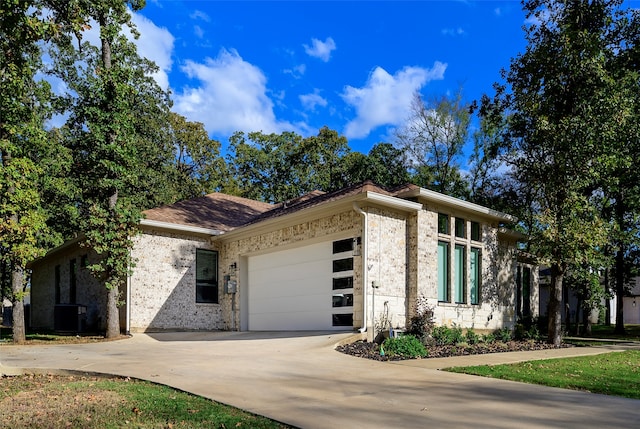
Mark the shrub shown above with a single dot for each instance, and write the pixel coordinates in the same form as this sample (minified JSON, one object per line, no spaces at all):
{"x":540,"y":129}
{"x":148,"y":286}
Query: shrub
{"x":505,"y":335}
{"x":405,"y":346}
{"x":471,"y":337}
{"x":489,"y":338}
{"x":422,"y":322}
{"x":444,"y":335}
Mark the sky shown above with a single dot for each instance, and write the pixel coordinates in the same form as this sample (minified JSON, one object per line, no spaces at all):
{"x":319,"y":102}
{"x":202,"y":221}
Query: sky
{"x":353,"y":66}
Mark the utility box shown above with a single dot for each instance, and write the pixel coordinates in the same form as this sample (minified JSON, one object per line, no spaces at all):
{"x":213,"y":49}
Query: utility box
{"x":70,"y":318}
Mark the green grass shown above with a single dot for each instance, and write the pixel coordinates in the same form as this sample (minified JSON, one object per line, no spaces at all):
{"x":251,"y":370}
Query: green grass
{"x":46,"y":401}
{"x":632,"y":332}
{"x":616,"y":373}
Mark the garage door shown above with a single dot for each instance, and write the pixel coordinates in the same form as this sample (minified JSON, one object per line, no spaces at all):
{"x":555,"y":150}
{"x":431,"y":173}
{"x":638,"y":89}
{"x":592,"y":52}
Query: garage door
{"x":293,"y":290}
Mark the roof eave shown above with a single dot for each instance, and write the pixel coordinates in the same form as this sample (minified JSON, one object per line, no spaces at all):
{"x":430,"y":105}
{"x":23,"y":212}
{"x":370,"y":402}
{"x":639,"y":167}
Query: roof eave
{"x":175,"y":227}
{"x":437,"y":197}
{"x":367,"y":197}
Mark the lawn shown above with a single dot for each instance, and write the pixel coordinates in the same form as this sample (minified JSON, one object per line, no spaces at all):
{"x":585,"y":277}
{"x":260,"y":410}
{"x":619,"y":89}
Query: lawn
{"x":616,"y":373}
{"x":48,"y":401}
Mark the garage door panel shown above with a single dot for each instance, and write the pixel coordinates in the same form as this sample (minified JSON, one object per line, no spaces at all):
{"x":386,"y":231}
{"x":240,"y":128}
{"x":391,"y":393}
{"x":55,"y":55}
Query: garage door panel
{"x":291,"y":289}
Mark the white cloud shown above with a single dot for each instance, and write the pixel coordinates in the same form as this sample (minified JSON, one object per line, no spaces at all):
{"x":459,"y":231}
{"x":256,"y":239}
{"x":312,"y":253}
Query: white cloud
{"x":297,"y":71}
{"x":386,"y":99}
{"x":497,"y":11}
{"x":453,"y":31}
{"x":231,"y":96}
{"x":198,"y":31}
{"x":156,"y":44}
{"x":198,"y":14}
{"x":310,"y":101}
{"x":320,"y":49}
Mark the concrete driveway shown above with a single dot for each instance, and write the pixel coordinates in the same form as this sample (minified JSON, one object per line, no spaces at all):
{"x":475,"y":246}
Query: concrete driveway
{"x":299,"y":379}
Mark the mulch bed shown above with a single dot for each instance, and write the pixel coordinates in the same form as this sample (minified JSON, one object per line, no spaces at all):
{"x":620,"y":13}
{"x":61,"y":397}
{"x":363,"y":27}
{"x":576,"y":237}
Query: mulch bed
{"x":371,"y":350}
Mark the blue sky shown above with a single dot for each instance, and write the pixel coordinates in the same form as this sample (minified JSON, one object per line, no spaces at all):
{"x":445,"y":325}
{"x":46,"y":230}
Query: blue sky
{"x":353,"y":66}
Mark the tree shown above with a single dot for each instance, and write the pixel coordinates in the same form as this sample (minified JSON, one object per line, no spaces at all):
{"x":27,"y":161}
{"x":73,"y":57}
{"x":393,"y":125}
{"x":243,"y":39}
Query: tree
{"x":111,"y":99}
{"x":24,"y":106}
{"x":565,"y":111}
{"x":433,"y":138}
{"x":385,"y":165}
{"x":279,"y":167}
{"x":197,"y":168}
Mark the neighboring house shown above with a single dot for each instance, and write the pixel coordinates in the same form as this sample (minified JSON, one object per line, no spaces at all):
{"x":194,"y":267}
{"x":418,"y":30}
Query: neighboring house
{"x":325,"y":261}
{"x":571,"y":310}
{"x":631,"y":303}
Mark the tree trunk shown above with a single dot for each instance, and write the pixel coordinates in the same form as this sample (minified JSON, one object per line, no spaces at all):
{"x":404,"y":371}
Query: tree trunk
{"x":17,"y":287}
{"x":113,"y":316}
{"x":555,"y":305}
{"x":619,"y":271}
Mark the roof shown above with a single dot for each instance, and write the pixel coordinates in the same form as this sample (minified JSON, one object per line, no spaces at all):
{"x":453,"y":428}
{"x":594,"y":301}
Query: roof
{"x":214,"y":211}
{"x":316,"y":198}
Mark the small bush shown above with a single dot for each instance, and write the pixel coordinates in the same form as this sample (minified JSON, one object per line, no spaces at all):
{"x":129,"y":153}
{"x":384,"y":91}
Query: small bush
{"x":471,"y":337}
{"x":489,"y":338}
{"x":422,"y":323}
{"x":505,"y":335}
{"x":405,"y":346}
{"x":445,"y":336}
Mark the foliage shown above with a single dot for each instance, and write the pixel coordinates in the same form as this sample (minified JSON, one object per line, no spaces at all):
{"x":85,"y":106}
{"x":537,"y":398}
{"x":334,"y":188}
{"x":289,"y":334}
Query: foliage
{"x":504,"y":334}
{"x":526,"y":329}
{"x":445,"y":335}
{"x":279,"y":167}
{"x":82,"y":401}
{"x":433,"y":138}
{"x":607,"y":374}
{"x":405,"y":345}
{"x":112,"y":102}
{"x":198,"y":168}
{"x":570,"y":104}
{"x":422,"y":322}
{"x":384,"y":165}
{"x":471,"y":337}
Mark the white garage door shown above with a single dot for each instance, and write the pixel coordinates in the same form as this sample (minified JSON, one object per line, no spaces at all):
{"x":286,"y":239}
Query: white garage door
{"x":291,"y":290}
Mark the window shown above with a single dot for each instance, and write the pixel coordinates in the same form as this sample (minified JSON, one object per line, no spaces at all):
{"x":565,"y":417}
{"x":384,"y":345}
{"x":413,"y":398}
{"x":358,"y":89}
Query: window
{"x":459,"y":271}
{"x":475,"y":231}
{"x":443,"y":223}
{"x":206,"y":276}
{"x":343,"y":246}
{"x":342,"y":300}
{"x":342,"y":296}
{"x":84,"y":261}
{"x":474,"y":275}
{"x":343,"y":319}
{"x":443,"y":271}
{"x":342,"y":265}
{"x":343,"y":283}
{"x":526,"y":292}
{"x":57,"y":283}
{"x":460,"y":228}
{"x":73,"y":282}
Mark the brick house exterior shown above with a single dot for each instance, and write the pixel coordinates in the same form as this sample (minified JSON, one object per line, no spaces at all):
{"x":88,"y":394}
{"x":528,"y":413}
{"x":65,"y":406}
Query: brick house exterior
{"x":326,"y":261}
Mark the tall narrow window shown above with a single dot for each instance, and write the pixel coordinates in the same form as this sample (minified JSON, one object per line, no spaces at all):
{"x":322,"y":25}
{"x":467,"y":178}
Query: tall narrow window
{"x":206,"y":276}
{"x":526,"y":292}
{"x":460,"y":228}
{"x":474,"y":275}
{"x":73,"y":281}
{"x":443,"y":271}
{"x":57,"y":283}
{"x":459,"y":273}
{"x":443,"y":223}
{"x":475,"y":231}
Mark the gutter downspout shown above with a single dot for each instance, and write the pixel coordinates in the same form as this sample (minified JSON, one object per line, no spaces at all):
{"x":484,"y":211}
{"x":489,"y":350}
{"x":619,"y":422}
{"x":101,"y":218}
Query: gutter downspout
{"x":128,"y":309}
{"x":365,"y":271}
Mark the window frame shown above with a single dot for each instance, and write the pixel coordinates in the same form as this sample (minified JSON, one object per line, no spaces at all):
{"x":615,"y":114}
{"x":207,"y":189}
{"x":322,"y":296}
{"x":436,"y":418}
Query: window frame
{"x":460,"y":273}
{"x":475,"y":275}
{"x":203,"y":284}
{"x":443,"y":271}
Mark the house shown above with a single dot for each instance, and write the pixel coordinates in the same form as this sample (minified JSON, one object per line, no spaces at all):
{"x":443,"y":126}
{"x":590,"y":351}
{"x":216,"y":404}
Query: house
{"x":326,"y":261}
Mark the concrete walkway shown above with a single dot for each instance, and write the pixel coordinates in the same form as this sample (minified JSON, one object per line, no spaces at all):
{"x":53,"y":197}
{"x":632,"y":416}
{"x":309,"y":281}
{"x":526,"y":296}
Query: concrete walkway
{"x":299,"y":379}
